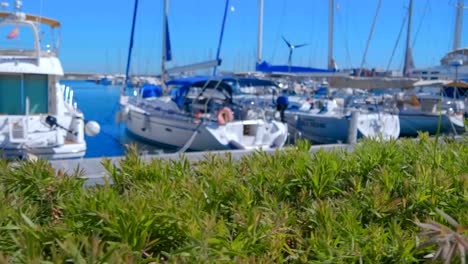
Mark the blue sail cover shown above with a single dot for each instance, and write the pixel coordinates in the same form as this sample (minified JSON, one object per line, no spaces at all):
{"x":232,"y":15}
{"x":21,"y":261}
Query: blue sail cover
{"x":242,"y":81}
{"x":185,"y":83}
{"x":168,"y":42}
{"x":151,"y":90}
{"x":229,"y":84}
{"x":266,"y":67}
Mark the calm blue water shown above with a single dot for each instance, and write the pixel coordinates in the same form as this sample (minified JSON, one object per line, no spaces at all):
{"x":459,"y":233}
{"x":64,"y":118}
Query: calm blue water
{"x":100,"y":103}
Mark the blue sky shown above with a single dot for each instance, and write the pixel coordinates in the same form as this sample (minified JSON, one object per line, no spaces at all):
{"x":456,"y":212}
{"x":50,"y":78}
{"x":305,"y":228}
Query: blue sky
{"x":95,"y":34}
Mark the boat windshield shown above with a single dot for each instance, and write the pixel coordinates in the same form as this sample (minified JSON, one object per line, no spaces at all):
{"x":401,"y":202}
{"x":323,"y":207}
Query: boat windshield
{"x":257,"y":90}
{"x":15,"y":89}
{"x":252,"y":86}
{"x":19,"y":39}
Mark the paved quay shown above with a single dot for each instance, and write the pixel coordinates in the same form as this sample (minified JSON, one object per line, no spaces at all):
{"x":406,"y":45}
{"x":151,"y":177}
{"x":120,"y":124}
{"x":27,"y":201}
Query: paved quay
{"x":95,"y":172}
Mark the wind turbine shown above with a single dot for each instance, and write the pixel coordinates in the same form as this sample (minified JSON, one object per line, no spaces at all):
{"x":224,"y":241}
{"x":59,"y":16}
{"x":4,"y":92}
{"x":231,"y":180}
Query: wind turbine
{"x":291,"y":50}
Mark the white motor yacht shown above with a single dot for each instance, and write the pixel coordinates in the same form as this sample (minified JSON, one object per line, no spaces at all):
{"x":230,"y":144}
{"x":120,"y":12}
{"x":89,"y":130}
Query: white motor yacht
{"x":38,"y":115}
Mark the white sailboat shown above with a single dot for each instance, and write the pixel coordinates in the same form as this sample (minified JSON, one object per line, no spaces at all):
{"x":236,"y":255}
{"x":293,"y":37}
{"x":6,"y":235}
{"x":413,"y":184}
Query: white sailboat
{"x":198,"y":115}
{"x":419,"y":112}
{"x":432,"y":113}
{"x":38,"y":115}
{"x":324,"y":121}
{"x":330,"y":123}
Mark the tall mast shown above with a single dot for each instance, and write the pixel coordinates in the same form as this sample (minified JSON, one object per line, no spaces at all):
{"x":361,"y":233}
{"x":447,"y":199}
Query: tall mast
{"x":409,"y":56}
{"x":458,"y":25}
{"x":331,"y":62}
{"x":164,"y":44}
{"x":220,"y":42}
{"x":130,"y":48}
{"x":260,"y":32}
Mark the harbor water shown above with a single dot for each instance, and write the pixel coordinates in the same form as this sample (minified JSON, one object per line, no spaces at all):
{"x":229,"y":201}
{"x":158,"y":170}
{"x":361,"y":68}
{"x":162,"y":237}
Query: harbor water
{"x":101,"y":103}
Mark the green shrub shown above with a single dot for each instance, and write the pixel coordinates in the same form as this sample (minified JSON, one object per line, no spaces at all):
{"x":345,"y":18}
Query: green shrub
{"x":289,"y":206}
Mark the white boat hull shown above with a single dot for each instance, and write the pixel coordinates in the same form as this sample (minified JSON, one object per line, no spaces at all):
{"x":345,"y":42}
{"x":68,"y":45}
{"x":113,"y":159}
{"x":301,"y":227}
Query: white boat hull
{"x":66,"y":151}
{"x":34,"y":136}
{"x":328,"y":129}
{"x":412,"y":123}
{"x":172,"y":131}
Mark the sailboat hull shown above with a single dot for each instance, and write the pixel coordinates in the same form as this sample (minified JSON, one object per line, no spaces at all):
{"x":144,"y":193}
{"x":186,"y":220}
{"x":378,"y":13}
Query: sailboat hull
{"x":178,"y":133}
{"x":411,"y":124}
{"x":328,"y":129}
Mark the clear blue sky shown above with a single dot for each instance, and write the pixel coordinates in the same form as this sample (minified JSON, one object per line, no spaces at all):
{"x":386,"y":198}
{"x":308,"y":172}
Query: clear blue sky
{"x":95,"y":34}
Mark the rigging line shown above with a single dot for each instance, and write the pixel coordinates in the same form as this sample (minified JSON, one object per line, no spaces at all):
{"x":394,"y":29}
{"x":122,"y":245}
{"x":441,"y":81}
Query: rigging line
{"x":426,"y":7}
{"x":345,"y":29}
{"x":345,"y":34}
{"x":280,"y":28}
{"x":370,"y":36}
{"x":397,"y":42}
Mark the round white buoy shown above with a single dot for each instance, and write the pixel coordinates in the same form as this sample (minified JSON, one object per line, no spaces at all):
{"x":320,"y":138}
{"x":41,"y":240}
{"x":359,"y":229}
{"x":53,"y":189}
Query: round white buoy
{"x":92,"y":128}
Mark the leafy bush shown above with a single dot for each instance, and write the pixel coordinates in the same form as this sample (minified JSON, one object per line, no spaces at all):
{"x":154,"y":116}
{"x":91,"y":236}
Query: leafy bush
{"x":290,"y":206}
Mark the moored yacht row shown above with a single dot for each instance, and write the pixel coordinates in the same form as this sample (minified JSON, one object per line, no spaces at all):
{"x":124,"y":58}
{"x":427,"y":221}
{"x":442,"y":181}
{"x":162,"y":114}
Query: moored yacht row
{"x":232,"y":112}
{"x":40,"y":117}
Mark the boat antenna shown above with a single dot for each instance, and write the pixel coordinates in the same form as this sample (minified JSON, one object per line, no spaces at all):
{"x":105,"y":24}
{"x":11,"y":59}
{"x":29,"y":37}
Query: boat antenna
{"x":40,"y":12}
{"x":130,"y":48}
{"x":221,"y":36}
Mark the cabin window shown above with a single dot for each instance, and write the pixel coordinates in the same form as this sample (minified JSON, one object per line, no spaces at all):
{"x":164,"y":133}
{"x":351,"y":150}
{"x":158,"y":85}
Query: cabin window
{"x":14,"y":89}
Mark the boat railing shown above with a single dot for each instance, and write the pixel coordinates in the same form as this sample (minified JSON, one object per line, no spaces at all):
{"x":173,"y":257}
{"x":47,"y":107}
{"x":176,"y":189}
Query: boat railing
{"x":36,"y":53}
{"x":27,"y":53}
{"x":19,"y":19}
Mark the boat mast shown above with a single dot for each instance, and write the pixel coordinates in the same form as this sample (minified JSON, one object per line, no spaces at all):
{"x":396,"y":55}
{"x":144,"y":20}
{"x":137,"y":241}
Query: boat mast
{"x":331,"y":61}
{"x":409,"y":56}
{"x":164,"y":45}
{"x":220,"y":42}
{"x":132,"y":34}
{"x":458,"y":25}
{"x":260,"y":32}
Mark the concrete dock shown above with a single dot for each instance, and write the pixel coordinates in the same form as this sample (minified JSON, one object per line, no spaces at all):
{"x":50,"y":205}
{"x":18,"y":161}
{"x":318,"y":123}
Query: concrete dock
{"x":95,"y":172}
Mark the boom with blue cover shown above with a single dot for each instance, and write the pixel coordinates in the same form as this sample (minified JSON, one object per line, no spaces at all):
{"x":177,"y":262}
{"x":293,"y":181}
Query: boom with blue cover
{"x":268,"y":68}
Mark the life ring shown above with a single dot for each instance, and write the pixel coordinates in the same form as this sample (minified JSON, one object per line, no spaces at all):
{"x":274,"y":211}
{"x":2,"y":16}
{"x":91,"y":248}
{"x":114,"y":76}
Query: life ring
{"x":198,"y":116}
{"x":225,"y":115}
